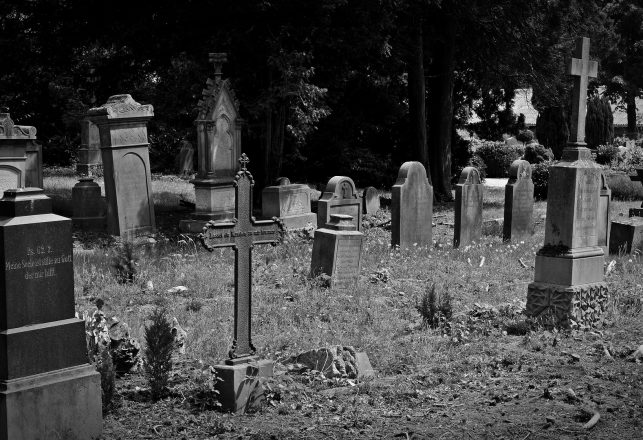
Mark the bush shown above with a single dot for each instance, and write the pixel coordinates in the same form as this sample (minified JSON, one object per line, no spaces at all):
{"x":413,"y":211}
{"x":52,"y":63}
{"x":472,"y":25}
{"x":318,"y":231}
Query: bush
{"x":158,"y":352}
{"x":606,"y":154}
{"x":599,"y":122}
{"x":540,"y":176}
{"x":498,"y":157}
{"x":525,"y":136}
{"x":535,"y":153}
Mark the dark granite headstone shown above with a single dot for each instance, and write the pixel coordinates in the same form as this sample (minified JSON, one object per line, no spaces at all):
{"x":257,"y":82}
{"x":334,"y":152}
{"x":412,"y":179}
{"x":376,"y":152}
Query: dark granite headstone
{"x":468,"y":207}
{"x":519,"y":202}
{"x":340,"y":197}
{"x":88,"y":205}
{"x":46,"y":383}
{"x":411,"y":207}
{"x":626,"y":235}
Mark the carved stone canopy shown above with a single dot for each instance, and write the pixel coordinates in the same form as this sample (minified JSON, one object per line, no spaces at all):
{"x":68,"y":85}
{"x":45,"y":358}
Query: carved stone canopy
{"x":8,"y":130}
{"x":217,"y":92}
{"x":121,"y":106}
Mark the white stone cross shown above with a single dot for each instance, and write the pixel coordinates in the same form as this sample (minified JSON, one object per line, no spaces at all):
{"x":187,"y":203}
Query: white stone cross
{"x":583,"y":69}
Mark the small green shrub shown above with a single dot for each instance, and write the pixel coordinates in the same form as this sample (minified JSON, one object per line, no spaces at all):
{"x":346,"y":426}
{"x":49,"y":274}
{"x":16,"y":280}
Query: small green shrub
{"x":540,"y":176}
{"x":435,"y":308}
{"x":535,"y":153}
{"x":124,"y":262}
{"x":158,"y":352}
{"x":525,"y":136}
{"x":606,"y":154}
{"x":498,"y":157}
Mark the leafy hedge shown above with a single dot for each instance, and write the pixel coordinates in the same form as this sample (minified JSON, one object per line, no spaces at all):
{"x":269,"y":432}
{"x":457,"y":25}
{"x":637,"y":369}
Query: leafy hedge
{"x":497,"y":156}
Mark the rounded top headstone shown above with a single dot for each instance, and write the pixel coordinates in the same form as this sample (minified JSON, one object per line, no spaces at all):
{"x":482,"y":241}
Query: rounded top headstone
{"x":371,"y":200}
{"x":520,"y":169}
{"x":282,"y":181}
{"x":341,"y":187}
{"x":411,"y":169}
{"x":470,"y":176}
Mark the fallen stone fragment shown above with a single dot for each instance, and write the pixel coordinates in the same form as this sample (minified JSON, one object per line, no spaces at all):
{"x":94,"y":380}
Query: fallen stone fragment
{"x":334,"y":361}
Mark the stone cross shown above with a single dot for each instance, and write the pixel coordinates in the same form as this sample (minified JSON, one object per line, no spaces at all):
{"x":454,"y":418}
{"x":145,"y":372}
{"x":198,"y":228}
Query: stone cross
{"x":583,"y":69}
{"x":218,"y":59}
{"x":241,"y":233}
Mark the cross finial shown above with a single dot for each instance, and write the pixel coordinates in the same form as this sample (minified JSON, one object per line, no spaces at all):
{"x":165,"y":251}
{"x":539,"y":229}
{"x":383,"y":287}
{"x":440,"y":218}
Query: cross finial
{"x":218,"y":59}
{"x":243,"y":160}
{"x":582,"y":68}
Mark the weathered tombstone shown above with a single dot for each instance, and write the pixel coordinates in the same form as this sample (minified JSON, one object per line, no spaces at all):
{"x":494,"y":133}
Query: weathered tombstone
{"x":88,"y":205}
{"x":626,"y":236}
{"x":288,"y":202}
{"x":126,"y":163}
{"x":469,"y":193}
{"x":13,"y":145}
{"x":637,"y":212}
{"x":240,"y":375}
{"x":519,"y":202}
{"x":219,"y":145}
{"x":186,"y":158}
{"x":339,"y":197}
{"x":603,"y":220}
{"x":371,"y":201}
{"x":568,"y":283}
{"x":33,"y":165}
{"x":89,"y":153}
{"x":337,"y":252}
{"x":411,"y":207}
{"x":47,"y":387}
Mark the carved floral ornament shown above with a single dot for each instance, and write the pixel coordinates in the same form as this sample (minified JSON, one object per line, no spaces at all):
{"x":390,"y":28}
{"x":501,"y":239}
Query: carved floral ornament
{"x":8,"y":130}
{"x":211,"y":95}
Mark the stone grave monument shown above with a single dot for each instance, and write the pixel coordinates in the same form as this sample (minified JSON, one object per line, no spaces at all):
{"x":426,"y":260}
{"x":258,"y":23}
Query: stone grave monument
{"x":289,"y":202}
{"x":88,"y":205}
{"x":568,"y":283}
{"x":469,"y":193}
{"x":122,"y":123}
{"x":371,"y":201}
{"x":519,"y":202}
{"x":47,"y":387}
{"x":13,"y":155}
{"x":240,"y":374}
{"x":218,"y":146}
{"x":339,"y":197}
{"x":337,"y":252}
{"x":411,"y":207}
{"x":603,"y":220}
{"x":89,"y":153}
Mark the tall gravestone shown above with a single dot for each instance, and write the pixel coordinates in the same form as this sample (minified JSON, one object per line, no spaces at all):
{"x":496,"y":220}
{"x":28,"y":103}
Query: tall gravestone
{"x":469,"y":193}
{"x":519,"y":202}
{"x":126,"y":164}
{"x":47,"y":387}
{"x":239,"y":375}
{"x":340,"y":197}
{"x":13,"y":152}
{"x":568,"y":283}
{"x":218,"y":147}
{"x":371,"y":200}
{"x":289,"y":202}
{"x":411,"y":207}
{"x":89,"y":153}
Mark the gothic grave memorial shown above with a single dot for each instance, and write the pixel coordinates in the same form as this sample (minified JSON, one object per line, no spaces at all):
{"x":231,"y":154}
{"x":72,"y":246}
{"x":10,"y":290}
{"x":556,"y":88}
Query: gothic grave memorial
{"x":218,"y":146}
{"x":240,"y":373}
{"x":337,"y":252}
{"x":411,"y":207}
{"x":46,"y":383}
{"x":340,"y":197}
{"x":126,"y":162}
{"x":468,"y":207}
{"x":568,"y":283}
{"x":14,"y":140}
{"x":290,"y":202}
{"x":519,"y":202}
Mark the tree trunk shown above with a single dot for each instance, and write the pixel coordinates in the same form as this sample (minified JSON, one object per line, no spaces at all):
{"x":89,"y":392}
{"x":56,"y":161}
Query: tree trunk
{"x":275,"y":131}
{"x":417,"y":94}
{"x":630,"y":101}
{"x":441,"y":109}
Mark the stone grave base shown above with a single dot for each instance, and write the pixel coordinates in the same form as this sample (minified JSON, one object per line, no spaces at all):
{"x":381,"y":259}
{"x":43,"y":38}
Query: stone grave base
{"x":90,"y":223}
{"x":237,"y":383}
{"x":563,"y":306}
{"x":636,"y":212}
{"x":299,"y":221}
{"x":626,"y":235}
{"x":571,"y":269}
{"x":63,"y":404}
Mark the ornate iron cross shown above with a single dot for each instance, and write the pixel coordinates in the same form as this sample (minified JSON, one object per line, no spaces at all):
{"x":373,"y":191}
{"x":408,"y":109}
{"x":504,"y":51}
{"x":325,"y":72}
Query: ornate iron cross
{"x":241,"y":233}
{"x":583,"y":69}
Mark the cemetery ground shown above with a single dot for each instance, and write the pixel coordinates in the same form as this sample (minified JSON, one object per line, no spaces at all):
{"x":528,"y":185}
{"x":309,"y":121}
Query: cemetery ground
{"x":478,"y":372}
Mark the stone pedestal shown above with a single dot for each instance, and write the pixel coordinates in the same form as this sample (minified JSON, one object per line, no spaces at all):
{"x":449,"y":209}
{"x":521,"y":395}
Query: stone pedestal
{"x":125,"y":149}
{"x":47,"y":387}
{"x":88,"y":205}
{"x":89,"y":155}
{"x":568,"y":286}
{"x":288,"y":202}
{"x":337,"y":252}
{"x":13,"y":152}
{"x":239,"y":383}
{"x":626,"y":235}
